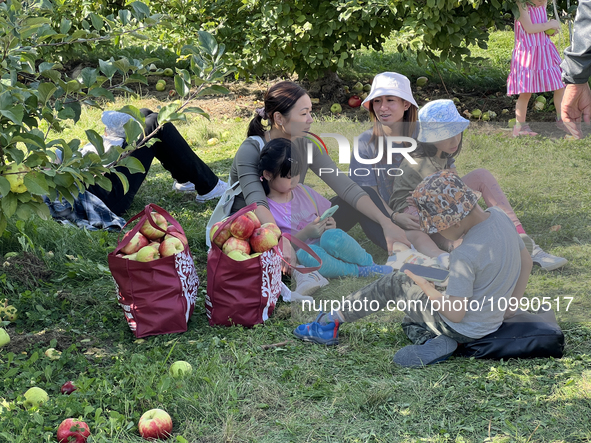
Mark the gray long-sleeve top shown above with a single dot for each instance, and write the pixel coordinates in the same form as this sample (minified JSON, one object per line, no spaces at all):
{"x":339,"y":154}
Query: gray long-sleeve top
{"x":576,"y":66}
{"x":245,"y":168}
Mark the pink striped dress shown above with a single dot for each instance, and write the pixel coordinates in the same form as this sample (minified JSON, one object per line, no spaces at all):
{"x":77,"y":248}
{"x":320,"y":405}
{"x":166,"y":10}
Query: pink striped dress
{"x":535,"y":66}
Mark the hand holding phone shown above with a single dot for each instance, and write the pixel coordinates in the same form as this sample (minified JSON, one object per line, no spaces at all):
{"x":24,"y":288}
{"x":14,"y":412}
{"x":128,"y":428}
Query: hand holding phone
{"x":329,"y":212}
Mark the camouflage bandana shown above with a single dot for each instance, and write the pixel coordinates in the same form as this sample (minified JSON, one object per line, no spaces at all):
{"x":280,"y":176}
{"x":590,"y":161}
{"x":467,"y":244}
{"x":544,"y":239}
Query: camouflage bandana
{"x":443,"y":199}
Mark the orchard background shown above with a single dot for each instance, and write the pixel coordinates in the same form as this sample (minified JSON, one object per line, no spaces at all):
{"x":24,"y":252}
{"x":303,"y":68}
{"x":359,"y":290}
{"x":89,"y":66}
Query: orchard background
{"x":63,"y":62}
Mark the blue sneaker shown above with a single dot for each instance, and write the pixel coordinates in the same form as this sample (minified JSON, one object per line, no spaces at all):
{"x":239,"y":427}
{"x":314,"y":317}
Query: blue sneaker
{"x":316,"y":332}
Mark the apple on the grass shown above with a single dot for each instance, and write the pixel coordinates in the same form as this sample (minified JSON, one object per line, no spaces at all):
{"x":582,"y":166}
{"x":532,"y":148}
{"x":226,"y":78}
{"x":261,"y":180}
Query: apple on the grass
{"x":150,"y":231}
{"x":273,"y":227}
{"x":235,"y":244}
{"x":255,"y":220}
{"x":4,"y":337}
{"x":72,"y":431}
{"x":35,"y":397}
{"x":224,"y":234}
{"x":67,"y":388}
{"x":137,"y":242}
{"x":171,"y":246}
{"x":180,"y":368}
{"x":354,"y":101}
{"x":155,"y":423}
{"x":242,"y":227}
{"x":53,"y":354}
{"x":263,"y":239}
{"x":147,"y":253}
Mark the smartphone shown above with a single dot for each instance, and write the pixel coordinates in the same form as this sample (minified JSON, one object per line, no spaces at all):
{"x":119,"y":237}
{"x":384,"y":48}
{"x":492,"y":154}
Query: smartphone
{"x":436,"y":275}
{"x":329,"y":212}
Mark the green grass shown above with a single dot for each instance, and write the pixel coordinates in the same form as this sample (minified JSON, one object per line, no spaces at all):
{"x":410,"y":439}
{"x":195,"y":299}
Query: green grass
{"x":239,"y":392}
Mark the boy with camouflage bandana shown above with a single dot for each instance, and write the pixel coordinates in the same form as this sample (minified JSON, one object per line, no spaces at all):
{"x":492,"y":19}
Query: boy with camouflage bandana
{"x":491,"y":264}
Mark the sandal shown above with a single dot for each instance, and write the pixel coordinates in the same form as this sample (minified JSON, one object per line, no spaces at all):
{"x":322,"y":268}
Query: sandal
{"x":520,"y":130}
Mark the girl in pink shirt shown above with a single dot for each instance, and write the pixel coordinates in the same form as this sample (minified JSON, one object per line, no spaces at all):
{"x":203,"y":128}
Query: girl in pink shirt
{"x":297,"y":208}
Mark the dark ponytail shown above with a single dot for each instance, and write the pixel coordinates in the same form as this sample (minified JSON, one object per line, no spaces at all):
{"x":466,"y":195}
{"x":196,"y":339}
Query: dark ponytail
{"x":281,"y":98}
{"x":279,"y":159}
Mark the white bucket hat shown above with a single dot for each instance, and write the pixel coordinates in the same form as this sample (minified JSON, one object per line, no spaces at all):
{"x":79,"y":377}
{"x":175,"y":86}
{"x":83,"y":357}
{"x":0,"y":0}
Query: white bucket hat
{"x":114,"y":121}
{"x":440,"y":120}
{"x":390,"y":83}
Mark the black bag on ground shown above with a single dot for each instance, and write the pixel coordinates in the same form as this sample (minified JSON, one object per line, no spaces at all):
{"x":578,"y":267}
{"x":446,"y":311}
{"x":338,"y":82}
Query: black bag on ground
{"x":525,"y":335}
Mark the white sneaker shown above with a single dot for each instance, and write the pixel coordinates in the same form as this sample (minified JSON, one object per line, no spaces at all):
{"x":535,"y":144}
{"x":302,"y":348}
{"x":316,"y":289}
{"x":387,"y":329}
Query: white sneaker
{"x":529,"y":243}
{"x":397,"y":259}
{"x":291,"y":296}
{"x":307,"y":284}
{"x":183,"y":187}
{"x":547,"y":262}
{"x":216,"y":192}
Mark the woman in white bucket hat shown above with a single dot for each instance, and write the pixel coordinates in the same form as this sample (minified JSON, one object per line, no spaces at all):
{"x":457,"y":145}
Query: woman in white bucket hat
{"x":440,"y":141}
{"x":393,"y":111}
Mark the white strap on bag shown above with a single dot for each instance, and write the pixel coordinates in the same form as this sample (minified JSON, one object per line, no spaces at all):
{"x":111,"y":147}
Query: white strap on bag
{"x":224,"y":206}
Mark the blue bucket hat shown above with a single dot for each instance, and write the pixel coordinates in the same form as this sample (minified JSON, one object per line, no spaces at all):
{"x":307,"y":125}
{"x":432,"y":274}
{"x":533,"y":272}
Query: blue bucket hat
{"x":440,"y":120}
{"x":114,"y":121}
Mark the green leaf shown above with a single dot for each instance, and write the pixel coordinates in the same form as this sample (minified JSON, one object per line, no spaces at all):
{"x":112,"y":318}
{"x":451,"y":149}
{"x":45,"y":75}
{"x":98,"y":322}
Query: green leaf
{"x":124,"y":181}
{"x":3,"y":223}
{"x":101,"y":92}
{"x":9,"y":203}
{"x":107,"y":68}
{"x":46,"y":91}
{"x":97,"y":22}
{"x":89,"y":76}
{"x":64,"y":179}
{"x":25,"y":211}
{"x":141,"y":10}
{"x":4,"y":185}
{"x":136,"y":78}
{"x":135,"y":113}
{"x":124,"y":16}
{"x":182,"y":88}
{"x":96,"y":140}
{"x":133,"y":164}
{"x":15,"y":114}
{"x":73,"y":110}
{"x":196,"y":110}
{"x":65,"y":26}
{"x":36,"y":183}
{"x":133,"y":130}
{"x":166,"y":112}
{"x":208,"y":42}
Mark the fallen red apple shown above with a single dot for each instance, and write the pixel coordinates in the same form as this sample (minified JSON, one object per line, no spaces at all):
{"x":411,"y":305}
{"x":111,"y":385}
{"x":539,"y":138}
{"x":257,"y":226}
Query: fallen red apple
{"x":273,"y":227}
{"x":235,"y":244}
{"x":242,"y":227}
{"x":72,"y":431}
{"x":154,"y":424}
{"x":263,"y":239}
{"x":354,"y":101}
{"x":255,"y":220}
{"x":150,"y":231}
{"x":171,"y":246}
{"x":224,"y":234}
{"x":68,"y":387}
{"x":147,"y":253}
{"x":137,"y":242}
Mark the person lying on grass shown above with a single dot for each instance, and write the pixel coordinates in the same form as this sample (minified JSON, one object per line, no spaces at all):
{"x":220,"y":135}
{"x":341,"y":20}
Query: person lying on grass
{"x":490,"y":265}
{"x":297,"y":209}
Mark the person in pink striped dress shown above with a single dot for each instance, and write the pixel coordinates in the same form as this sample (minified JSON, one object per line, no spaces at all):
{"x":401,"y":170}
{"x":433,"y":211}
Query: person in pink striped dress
{"x":535,"y":65}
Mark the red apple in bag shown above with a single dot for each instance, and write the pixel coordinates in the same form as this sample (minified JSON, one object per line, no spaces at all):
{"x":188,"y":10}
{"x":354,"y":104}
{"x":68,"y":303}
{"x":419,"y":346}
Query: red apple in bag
{"x":137,"y":242}
{"x":150,"y":231}
{"x":235,"y":244}
{"x":242,"y":227}
{"x":224,"y":234}
{"x":147,"y":253}
{"x":263,"y":239}
{"x":171,"y":246}
{"x":254,"y":219}
{"x":274,"y":228}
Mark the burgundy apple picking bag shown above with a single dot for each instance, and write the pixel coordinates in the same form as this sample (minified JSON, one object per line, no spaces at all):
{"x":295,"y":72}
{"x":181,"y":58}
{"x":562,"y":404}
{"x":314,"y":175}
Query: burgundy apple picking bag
{"x":245,"y":292}
{"x":157,"y":297}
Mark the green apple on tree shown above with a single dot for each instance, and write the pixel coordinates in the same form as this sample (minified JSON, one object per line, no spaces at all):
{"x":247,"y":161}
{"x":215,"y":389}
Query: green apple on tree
{"x":15,"y":174}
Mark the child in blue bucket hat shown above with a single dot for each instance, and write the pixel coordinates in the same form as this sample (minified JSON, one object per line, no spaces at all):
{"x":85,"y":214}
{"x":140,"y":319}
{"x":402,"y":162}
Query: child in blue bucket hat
{"x":439,"y":143}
